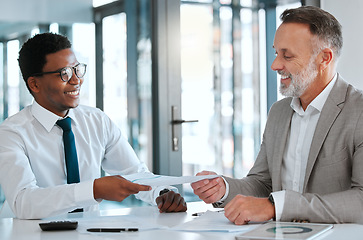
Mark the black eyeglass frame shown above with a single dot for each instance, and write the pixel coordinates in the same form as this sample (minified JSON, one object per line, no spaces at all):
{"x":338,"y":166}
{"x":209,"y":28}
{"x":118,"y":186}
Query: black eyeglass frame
{"x":73,"y":69}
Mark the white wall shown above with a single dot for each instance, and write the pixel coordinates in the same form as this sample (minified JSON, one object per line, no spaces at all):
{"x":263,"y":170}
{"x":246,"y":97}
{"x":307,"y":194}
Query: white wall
{"x":349,"y":14}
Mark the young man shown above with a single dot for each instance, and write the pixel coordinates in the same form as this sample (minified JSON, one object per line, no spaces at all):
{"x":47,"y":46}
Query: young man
{"x":310,"y":165}
{"x":33,"y":172}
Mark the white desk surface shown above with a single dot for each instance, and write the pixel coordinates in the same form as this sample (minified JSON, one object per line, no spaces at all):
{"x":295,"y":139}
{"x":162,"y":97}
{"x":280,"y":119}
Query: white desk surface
{"x":30,"y":230}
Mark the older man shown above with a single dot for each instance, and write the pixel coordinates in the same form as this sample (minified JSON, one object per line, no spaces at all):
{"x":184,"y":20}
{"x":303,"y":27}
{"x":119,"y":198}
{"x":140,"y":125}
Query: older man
{"x":310,"y":165}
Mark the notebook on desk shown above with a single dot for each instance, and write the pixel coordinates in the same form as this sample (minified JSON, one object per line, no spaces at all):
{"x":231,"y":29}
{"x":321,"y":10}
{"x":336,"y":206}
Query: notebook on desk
{"x":285,"y":231}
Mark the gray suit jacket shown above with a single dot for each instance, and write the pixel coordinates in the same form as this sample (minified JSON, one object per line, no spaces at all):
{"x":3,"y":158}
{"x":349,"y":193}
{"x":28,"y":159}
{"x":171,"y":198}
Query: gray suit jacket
{"x":333,"y":187}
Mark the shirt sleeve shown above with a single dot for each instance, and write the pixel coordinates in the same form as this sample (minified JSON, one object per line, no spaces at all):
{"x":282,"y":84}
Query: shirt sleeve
{"x":25,"y":197}
{"x":29,"y":201}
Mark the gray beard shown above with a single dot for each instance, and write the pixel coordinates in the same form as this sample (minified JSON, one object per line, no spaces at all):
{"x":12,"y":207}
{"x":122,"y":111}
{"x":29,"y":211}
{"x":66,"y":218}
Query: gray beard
{"x":300,"y":81}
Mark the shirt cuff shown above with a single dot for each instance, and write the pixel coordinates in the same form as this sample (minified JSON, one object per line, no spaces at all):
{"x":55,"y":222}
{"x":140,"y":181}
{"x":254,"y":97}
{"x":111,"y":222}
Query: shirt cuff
{"x":279,"y":198}
{"x":83,"y":194}
{"x":226,"y":193}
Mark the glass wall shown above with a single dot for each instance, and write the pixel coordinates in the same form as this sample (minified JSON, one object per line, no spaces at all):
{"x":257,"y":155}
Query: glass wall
{"x":2,"y":196}
{"x":220,"y":49}
{"x":115,"y":69}
{"x":83,"y":44}
{"x":126,"y":77}
{"x":13,"y":77}
{"x":198,"y":96}
{"x":1,"y":82}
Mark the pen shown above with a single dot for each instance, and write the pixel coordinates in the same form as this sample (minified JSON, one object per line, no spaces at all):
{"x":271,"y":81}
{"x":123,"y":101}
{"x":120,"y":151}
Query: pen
{"x":201,"y":213}
{"x":112,"y":229}
{"x":197,"y":214}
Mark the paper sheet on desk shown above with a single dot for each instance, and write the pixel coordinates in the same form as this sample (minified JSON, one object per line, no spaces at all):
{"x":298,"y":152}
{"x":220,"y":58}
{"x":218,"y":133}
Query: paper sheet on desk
{"x":161,"y":180}
{"x":125,"y":221}
{"x":213,"y":221}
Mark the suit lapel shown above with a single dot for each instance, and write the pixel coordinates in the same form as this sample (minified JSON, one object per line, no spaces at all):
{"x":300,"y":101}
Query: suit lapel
{"x":280,"y":143}
{"x":329,"y":113}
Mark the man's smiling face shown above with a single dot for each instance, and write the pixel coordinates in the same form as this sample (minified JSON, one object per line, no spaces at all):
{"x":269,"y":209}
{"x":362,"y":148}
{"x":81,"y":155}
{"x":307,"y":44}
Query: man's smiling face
{"x":54,"y":94}
{"x":295,"y":60}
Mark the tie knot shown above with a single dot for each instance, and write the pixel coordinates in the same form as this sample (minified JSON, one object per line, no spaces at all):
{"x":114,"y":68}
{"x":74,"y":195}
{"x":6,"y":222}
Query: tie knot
{"x":65,"y":124}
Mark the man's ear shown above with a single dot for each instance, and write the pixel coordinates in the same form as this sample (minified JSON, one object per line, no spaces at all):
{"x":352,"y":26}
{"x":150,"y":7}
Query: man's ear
{"x":34,"y":84}
{"x":326,"y":58}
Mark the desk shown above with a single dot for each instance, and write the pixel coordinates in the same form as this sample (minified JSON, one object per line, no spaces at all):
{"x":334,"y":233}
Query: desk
{"x":30,"y":230}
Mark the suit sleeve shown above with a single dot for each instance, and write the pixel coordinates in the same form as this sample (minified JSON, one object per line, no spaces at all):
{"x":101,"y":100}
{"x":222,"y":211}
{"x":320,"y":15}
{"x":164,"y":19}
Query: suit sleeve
{"x":335,"y":207}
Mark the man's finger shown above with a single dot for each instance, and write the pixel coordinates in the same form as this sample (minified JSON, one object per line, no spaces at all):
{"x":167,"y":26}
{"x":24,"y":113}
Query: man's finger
{"x":168,"y":201}
{"x":181,"y":207}
{"x":144,"y":188}
{"x":135,"y":188}
{"x":200,"y":184}
{"x":159,"y":201}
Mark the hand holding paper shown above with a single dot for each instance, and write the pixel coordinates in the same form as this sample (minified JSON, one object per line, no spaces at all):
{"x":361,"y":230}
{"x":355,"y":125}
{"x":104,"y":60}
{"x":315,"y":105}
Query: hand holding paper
{"x":209,"y":191}
{"x":116,"y":188}
{"x":162,"y":180}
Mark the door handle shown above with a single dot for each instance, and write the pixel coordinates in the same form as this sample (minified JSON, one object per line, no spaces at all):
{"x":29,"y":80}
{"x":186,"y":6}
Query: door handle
{"x":175,"y":122}
{"x":180,"y":121}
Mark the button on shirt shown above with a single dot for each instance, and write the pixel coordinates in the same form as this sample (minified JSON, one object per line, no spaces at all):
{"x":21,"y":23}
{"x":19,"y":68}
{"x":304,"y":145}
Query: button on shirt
{"x":295,"y":158}
{"x":32,"y":167}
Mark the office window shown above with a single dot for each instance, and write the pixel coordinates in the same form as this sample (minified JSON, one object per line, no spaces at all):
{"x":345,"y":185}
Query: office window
{"x":83,"y":43}
{"x":54,"y":28}
{"x":200,"y":1}
{"x":126,"y":72}
{"x":13,"y":77}
{"x":197,"y":86}
{"x":114,"y":69}
{"x":1,"y":82}
{"x":97,"y":3}
{"x":220,"y":87}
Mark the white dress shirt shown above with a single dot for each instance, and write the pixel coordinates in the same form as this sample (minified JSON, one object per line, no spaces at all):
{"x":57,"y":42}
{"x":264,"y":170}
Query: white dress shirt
{"x":32,"y":165}
{"x":294,"y":162}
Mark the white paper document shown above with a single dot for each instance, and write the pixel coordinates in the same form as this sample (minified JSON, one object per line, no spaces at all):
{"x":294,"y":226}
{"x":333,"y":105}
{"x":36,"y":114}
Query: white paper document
{"x":125,"y":222}
{"x":162,"y":180}
{"x":213,"y":221}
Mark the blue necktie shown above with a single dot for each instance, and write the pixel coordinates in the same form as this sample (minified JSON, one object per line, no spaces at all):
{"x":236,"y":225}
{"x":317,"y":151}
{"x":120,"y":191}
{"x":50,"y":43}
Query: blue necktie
{"x":70,"y":151}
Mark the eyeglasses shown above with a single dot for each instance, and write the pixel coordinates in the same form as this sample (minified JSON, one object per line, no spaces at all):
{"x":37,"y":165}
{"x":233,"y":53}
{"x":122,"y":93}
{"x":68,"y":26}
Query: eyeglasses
{"x":66,"y":73}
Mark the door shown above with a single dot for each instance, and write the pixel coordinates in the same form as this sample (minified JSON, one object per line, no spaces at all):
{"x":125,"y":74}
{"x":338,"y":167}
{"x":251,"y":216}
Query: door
{"x":221,"y":86}
{"x":138,"y":76}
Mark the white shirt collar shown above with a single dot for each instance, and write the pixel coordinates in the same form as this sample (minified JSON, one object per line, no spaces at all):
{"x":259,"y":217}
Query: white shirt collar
{"x":46,"y":118}
{"x":318,"y":102}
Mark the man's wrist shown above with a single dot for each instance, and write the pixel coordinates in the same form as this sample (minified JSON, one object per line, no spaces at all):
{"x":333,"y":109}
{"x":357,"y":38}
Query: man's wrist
{"x":165,"y":190}
{"x":272,"y":201}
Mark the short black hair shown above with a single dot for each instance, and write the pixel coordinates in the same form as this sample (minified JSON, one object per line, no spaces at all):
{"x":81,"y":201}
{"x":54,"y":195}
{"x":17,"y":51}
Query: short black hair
{"x":321,"y":23}
{"x":32,"y":55}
